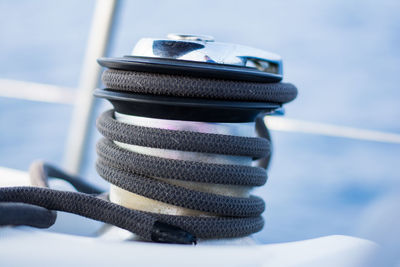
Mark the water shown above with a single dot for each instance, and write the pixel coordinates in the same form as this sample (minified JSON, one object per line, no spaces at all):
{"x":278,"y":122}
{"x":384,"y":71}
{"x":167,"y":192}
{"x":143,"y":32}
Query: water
{"x":343,"y":57}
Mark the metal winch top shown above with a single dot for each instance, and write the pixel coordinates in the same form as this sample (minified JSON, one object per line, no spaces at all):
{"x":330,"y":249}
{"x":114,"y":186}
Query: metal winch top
{"x":200,"y":55}
{"x":204,"y":49}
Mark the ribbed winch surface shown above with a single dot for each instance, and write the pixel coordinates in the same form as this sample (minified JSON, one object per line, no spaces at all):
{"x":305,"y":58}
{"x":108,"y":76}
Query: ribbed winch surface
{"x":154,"y":177}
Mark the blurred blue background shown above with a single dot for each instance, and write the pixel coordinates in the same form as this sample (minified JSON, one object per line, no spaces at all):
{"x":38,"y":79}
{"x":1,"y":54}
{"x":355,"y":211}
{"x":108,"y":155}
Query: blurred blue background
{"x":343,"y":56}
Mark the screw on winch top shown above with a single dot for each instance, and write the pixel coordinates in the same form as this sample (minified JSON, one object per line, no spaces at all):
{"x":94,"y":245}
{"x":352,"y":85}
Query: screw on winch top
{"x":190,"y":37}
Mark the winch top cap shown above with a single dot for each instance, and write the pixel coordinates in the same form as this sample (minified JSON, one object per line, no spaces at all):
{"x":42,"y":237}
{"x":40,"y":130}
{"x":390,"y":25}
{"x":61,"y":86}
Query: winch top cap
{"x":202,"y":48}
{"x":199,"y":56}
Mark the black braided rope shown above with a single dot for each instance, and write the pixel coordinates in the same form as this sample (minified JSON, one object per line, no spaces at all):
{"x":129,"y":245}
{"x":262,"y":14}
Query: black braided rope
{"x":112,"y":129}
{"x":179,"y":196}
{"x":26,"y":214}
{"x":112,"y":155}
{"x":215,"y":227}
{"x":84,"y":205}
{"x":186,"y":86}
{"x":138,"y":173}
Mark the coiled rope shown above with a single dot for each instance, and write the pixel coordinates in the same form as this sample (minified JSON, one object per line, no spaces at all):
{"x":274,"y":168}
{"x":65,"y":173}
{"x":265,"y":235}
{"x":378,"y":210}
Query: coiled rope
{"x":134,"y":172}
{"x":145,"y":175}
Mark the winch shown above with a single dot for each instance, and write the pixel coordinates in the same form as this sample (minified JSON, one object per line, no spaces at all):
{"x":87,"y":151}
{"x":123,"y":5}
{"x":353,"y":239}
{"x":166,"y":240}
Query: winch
{"x":184,"y":145}
{"x":192,"y":77}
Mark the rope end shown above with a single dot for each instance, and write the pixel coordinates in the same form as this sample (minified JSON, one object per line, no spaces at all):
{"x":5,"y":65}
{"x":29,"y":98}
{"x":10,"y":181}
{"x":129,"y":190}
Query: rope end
{"x":166,"y":233}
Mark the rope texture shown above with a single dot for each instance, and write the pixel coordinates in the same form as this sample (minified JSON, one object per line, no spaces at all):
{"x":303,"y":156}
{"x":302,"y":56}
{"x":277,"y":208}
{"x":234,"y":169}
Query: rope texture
{"x":138,"y":173}
{"x":186,"y":86}
{"x":81,"y":204}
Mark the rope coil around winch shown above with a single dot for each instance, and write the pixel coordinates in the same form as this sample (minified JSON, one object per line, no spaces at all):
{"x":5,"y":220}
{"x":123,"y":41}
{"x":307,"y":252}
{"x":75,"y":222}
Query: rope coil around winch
{"x":148,"y":175}
{"x":141,"y":174}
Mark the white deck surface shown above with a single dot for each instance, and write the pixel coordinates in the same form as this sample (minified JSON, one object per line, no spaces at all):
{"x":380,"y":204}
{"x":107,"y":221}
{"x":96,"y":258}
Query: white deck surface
{"x":30,"y":247}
